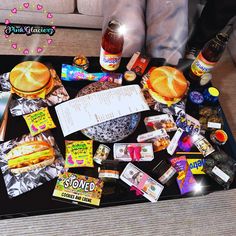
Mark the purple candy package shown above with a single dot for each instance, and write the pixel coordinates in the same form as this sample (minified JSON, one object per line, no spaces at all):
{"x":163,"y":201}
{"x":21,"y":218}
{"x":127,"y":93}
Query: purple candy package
{"x":185,"y":179}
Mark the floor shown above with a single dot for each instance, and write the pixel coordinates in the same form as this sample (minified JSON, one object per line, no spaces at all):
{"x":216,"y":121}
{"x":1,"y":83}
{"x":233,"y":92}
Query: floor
{"x":214,"y":214}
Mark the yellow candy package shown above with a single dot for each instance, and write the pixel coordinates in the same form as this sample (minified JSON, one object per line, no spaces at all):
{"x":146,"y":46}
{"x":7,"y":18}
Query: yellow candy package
{"x":79,"y":154}
{"x":39,"y":121}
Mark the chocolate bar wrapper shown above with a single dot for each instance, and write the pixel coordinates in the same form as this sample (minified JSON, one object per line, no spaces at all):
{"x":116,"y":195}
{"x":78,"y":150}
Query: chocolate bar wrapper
{"x":20,"y":106}
{"x":159,"y":138}
{"x":76,"y":189}
{"x":165,"y":121}
{"x":141,"y":182}
{"x":17,"y":184}
{"x":138,"y":63}
{"x":133,"y":151}
{"x":185,"y":180}
{"x":73,"y":73}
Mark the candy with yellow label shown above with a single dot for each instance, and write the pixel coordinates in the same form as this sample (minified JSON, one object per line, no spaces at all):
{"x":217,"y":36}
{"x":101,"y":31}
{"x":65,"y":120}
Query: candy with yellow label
{"x":39,"y":121}
{"x":196,"y":166}
{"x":79,"y":154}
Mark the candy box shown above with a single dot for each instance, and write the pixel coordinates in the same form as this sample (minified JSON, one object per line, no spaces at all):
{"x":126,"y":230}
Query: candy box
{"x":159,"y":138}
{"x":165,"y":121}
{"x":141,"y":183}
{"x":133,"y":151}
{"x":75,"y":189}
{"x":220,"y":167}
{"x":138,"y":63}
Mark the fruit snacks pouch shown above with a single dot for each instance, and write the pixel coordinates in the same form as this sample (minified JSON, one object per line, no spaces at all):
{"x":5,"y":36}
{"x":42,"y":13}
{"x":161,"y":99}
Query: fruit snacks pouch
{"x":79,"y":154}
{"x":39,"y":121}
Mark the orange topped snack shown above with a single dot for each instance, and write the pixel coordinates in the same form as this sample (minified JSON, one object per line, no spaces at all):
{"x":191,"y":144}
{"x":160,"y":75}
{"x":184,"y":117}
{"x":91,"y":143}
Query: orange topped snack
{"x":167,"y":85}
{"x":31,"y":79}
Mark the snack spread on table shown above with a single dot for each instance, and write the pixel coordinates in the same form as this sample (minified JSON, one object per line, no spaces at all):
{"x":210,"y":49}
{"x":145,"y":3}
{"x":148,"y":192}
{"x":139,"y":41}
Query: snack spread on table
{"x":106,"y":112}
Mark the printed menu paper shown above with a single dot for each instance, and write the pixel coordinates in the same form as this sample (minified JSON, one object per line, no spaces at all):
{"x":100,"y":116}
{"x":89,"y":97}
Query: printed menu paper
{"x":98,"y":107}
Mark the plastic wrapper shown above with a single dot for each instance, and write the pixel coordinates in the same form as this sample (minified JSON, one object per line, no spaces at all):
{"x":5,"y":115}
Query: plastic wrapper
{"x":72,"y":73}
{"x":21,"y":106}
{"x":17,"y":184}
{"x":221,"y":167}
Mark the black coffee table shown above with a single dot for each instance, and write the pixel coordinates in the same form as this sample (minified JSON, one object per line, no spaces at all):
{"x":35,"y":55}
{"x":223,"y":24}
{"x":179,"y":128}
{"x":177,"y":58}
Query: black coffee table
{"x":39,"y":200}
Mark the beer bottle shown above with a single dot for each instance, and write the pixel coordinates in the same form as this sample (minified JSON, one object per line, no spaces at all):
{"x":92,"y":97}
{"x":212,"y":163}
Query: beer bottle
{"x":209,"y":56}
{"x":112,"y":46}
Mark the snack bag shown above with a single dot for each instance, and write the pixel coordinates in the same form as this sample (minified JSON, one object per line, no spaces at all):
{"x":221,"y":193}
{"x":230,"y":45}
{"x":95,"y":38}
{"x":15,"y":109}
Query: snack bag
{"x":185,"y":179}
{"x":39,"y":121}
{"x":79,"y":154}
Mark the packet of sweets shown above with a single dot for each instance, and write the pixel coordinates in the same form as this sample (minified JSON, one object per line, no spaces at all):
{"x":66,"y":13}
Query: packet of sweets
{"x":79,"y":154}
{"x":159,"y":138}
{"x":39,"y":121}
{"x":165,"y":121}
{"x":185,"y":179}
{"x":73,"y":73}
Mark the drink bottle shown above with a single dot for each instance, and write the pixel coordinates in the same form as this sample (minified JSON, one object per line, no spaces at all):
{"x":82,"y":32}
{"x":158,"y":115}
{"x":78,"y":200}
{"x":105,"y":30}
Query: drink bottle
{"x":208,"y":57}
{"x":112,"y":46}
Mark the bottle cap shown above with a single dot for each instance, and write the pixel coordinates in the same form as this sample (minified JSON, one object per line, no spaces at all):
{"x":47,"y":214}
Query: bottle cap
{"x":205,"y":78}
{"x":129,"y":76}
{"x":196,"y":97}
{"x":211,"y":94}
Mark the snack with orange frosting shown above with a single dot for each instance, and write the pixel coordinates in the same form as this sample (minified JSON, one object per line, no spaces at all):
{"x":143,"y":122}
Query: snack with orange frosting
{"x":167,"y":85}
{"x":31,"y":80}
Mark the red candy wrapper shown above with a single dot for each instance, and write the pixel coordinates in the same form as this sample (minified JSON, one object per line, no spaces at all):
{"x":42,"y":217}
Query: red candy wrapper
{"x":138,"y":63}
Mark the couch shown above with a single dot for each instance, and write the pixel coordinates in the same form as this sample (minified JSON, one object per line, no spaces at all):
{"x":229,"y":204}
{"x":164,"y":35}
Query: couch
{"x":80,"y":14}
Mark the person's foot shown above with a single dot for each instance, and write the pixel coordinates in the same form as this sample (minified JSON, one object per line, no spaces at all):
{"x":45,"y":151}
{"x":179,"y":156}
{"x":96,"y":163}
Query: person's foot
{"x":191,"y":53}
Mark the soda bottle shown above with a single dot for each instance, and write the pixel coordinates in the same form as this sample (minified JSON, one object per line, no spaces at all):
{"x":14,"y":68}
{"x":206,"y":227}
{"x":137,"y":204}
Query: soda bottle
{"x":209,"y":56}
{"x":112,"y":46}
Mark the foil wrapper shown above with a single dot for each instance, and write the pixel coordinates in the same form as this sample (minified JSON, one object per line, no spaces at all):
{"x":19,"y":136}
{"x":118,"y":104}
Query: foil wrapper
{"x":21,"y":106}
{"x":17,"y":184}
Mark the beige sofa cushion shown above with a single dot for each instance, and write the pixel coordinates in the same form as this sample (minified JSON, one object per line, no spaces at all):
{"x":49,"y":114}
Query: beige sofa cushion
{"x":90,"y":7}
{"x":54,"y":6}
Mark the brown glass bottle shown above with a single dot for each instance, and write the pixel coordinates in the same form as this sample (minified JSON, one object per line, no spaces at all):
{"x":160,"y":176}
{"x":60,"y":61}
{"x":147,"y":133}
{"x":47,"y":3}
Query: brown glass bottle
{"x":207,"y":58}
{"x":112,"y":46}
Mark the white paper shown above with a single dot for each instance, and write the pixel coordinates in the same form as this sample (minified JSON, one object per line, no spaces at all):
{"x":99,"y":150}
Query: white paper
{"x":98,"y":107}
{"x":220,"y":174}
{"x":214,"y":125}
{"x":174,"y":141}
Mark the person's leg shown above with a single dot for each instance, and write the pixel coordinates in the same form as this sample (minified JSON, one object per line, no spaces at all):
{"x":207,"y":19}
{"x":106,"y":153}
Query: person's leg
{"x":167,"y":29}
{"x":215,"y":15}
{"x":131,"y":14}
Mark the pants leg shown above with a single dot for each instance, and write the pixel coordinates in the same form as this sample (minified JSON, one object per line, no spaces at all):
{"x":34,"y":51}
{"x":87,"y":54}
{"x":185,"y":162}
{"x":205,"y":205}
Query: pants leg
{"x":131,"y":14}
{"x":167,"y":29}
{"x":214,"y":17}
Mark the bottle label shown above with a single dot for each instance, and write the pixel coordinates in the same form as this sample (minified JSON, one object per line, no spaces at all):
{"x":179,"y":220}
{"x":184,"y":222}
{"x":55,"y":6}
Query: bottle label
{"x":109,"y":61}
{"x":201,"y":66}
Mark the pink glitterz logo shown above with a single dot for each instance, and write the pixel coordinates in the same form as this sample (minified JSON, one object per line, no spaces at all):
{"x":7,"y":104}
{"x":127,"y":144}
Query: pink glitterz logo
{"x":29,"y":30}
